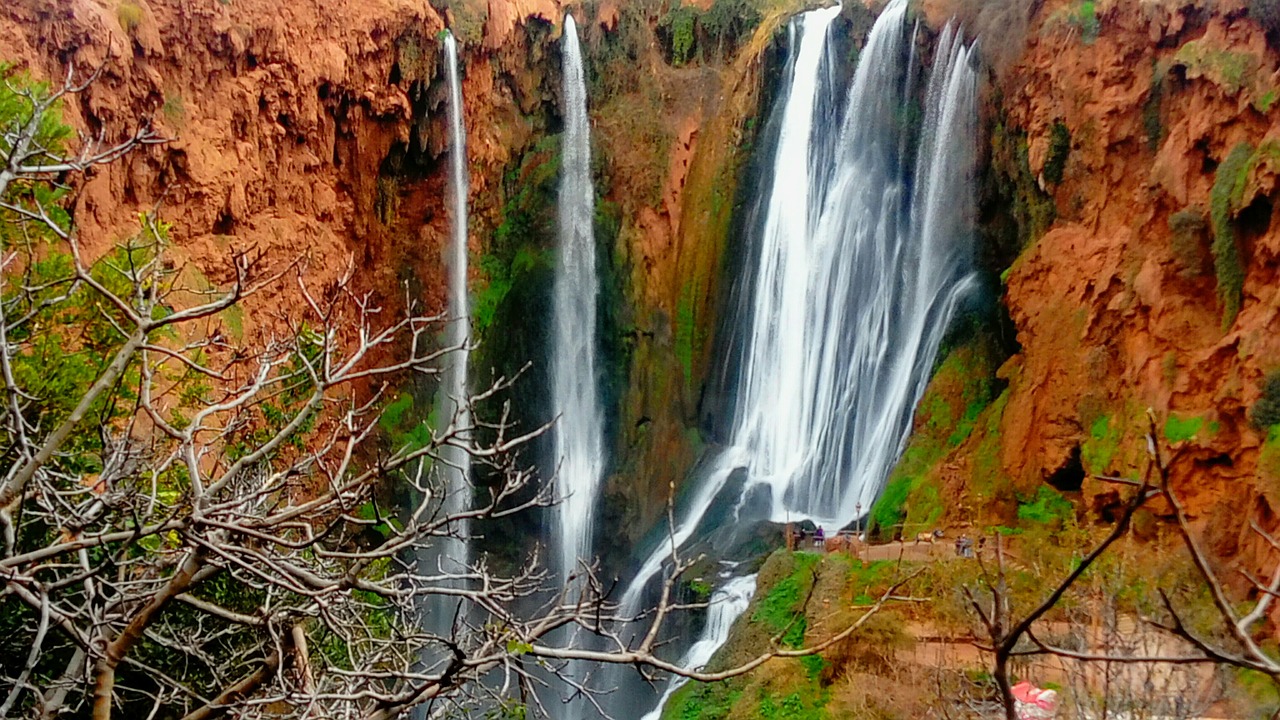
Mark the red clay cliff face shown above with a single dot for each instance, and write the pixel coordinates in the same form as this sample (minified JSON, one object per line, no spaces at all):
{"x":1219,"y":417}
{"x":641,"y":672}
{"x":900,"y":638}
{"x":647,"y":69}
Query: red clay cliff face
{"x":283,"y":118}
{"x":1109,"y":320}
{"x":315,"y":132}
{"x":280,"y":116}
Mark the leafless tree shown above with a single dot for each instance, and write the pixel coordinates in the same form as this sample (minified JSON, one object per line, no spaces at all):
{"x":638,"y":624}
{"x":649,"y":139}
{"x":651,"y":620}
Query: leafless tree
{"x":191,"y":525}
{"x":1012,"y":635}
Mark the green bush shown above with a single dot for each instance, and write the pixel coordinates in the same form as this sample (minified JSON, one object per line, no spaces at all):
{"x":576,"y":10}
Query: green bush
{"x":1055,"y":163}
{"x":1225,"y":197}
{"x":129,"y":15}
{"x":727,"y":23}
{"x":680,"y":25}
{"x":1048,"y":508}
{"x":1266,"y":411}
{"x":782,"y":607}
{"x":1178,"y":429}
{"x":1087,"y":20}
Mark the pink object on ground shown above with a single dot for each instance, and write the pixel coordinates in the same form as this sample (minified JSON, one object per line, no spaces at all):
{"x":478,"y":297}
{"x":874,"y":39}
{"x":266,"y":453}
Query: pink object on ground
{"x":1032,"y":703}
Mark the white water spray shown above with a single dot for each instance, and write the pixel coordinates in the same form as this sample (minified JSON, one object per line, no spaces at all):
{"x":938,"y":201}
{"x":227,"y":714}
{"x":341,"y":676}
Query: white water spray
{"x":579,"y":444}
{"x":727,"y":605}
{"x":856,"y":285}
{"x":863,"y":259}
{"x":447,"y":558}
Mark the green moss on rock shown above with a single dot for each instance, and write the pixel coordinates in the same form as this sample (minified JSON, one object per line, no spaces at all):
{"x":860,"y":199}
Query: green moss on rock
{"x":1228,"y":189}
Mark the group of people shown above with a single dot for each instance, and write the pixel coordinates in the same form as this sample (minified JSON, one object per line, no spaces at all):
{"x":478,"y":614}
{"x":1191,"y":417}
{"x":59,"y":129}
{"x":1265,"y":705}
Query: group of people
{"x":964,"y":546}
{"x":819,"y":537}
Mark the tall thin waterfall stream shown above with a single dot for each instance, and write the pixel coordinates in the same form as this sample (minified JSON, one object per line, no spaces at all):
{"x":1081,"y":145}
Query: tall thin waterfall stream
{"x":579,"y":446}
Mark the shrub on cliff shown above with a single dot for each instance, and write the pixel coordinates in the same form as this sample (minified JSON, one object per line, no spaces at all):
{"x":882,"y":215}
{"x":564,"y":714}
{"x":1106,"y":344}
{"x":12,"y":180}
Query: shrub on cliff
{"x":1228,"y":189}
{"x":1055,"y":163}
{"x":1266,"y":411}
{"x":679,"y":27}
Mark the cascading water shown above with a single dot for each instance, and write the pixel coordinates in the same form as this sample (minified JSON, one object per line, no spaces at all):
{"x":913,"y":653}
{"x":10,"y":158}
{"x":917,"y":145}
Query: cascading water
{"x":457,"y":462}
{"x":727,"y":604}
{"x":860,"y":259}
{"x":579,"y":445}
{"x":451,"y":471}
{"x":856,"y":285}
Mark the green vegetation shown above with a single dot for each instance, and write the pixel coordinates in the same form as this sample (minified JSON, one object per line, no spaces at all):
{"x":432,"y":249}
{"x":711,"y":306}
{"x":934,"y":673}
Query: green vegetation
{"x":1081,"y":18}
{"x":1187,"y":239}
{"x":1269,"y":465}
{"x":703,"y":701}
{"x":1266,"y":411}
{"x":680,"y":22}
{"x":1178,"y":429}
{"x":469,"y":17}
{"x":991,"y":486}
{"x":690,"y":33}
{"x":174,"y":110}
{"x":1231,"y":70}
{"x":1031,"y":209}
{"x":1100,"y":447}
{"x":522,"y":245}
{"x":836,"y":588}
{"x":727,"y":23}
{"x":51,"y":134}
{"x":1048,"y":508}
{"x":130,"y":15}
{"x":686,"y":328}
{"x":795,"y":706}
{"x":1235,"y":72}
{"x":1228,"y":190}
{"x":960,"y":391}
{"x":414,"y":63}
{"x":782,"y":607}
{"x":500,"y":278}
{"x":1086,"y":19}
{"x":1059,"y":150}
{"x":1151,"y":109}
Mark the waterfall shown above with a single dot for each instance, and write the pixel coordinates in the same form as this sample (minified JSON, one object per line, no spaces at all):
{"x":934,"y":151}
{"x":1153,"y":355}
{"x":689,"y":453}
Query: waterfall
{"x":456,"y":461}
{"x":858,"y":256}
{"x":795,"y":168}
{"x":451,"y":472}
{"x":726,"y":606}
{"x":858,"y":278}
{"x":579,"y":445}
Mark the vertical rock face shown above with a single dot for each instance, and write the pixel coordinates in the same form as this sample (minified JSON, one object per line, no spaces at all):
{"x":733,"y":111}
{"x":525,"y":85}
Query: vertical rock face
{"x":280,"y":119}
{"x":1120,"y":125}
{"x":316,"y":132}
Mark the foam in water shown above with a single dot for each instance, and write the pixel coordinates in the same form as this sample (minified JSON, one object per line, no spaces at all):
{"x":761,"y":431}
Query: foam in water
{"x":579,"y":446}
